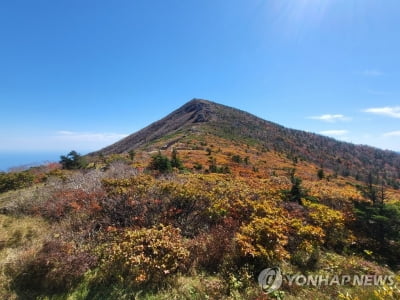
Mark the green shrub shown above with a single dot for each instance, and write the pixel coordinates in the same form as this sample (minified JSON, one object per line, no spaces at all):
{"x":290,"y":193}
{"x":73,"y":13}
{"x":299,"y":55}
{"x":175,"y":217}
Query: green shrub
{"x":15,"y":180}
{"x":379,"y":224}
{"x":160,"y":163}
{"x":321,"y":174}
{"x":198,"y":166}
{"x":237,"y":159}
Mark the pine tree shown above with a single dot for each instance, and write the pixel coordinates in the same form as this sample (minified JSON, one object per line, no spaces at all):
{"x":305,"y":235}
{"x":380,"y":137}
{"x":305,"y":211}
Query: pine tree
{"x":160,"y":163}
{"x":72,"y":161}
{"x":176,"y":161}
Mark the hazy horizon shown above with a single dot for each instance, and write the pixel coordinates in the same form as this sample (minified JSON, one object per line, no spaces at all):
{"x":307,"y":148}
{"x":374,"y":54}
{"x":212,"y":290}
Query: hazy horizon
{"x":27,"y":159}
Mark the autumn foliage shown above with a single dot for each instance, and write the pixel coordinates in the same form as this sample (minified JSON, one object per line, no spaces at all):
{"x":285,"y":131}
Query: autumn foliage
{"x":141,"y":222}
{"x":145,"y":256}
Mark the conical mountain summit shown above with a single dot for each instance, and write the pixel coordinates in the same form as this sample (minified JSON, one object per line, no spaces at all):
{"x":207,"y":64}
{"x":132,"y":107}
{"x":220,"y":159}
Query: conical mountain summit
{"x":199,"y":118}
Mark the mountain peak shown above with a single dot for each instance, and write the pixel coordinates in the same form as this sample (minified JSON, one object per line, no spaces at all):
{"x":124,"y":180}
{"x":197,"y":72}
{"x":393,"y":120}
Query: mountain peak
{"x":198,"y":101}
{"x":199,"y":118}
{"x":200,"y":110}
{"x":194,"y":112}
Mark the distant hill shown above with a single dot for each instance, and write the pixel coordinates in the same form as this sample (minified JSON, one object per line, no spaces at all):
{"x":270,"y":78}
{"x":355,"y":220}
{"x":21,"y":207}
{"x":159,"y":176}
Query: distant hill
{"x":201,"y":117}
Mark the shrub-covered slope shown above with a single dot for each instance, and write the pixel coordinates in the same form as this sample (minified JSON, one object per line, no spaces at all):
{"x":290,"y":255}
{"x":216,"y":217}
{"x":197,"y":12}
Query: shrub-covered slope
{"x":196,"y":213}
{"x":202,"y":117}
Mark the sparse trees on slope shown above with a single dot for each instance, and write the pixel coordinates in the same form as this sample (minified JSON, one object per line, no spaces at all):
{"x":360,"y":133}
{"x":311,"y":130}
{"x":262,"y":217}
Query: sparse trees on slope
{"x":163,"y":164}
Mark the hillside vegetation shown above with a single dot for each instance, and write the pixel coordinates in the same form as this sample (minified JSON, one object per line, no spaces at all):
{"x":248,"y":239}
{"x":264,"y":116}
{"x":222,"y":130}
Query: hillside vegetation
{"x":198,"y":211}
{"x":201,"y":118}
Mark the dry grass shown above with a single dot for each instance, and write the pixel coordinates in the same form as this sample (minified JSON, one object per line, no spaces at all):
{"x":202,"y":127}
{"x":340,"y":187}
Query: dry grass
{"x":19,"y":237}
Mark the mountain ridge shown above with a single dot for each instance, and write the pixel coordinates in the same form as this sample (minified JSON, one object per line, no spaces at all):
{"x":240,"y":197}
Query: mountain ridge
{"x":204,"y":117}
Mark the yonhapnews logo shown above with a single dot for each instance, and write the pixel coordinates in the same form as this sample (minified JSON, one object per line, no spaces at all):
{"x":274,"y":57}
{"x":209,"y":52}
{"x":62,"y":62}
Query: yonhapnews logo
{"x":271,"y":280}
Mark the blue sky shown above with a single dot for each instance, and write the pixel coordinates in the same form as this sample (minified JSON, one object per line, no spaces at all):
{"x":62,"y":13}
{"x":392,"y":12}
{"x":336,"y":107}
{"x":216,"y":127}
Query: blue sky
{"x":81,"y":74}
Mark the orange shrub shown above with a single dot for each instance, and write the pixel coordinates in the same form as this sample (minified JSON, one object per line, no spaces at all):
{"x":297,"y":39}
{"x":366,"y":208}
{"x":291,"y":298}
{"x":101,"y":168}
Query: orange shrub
{"x":71,"y":200}
{"x":145,"y":256}
{"x":266,"y":236}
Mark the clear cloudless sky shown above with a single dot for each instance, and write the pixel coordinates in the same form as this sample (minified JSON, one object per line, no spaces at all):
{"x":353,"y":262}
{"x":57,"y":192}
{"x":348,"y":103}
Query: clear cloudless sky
{"x":81,"y":74}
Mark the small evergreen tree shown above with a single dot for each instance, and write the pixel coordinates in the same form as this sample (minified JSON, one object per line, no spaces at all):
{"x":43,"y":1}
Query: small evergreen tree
{"x":381,"y":223}
{"x":72,"y":161}
{"x":160,"y":163}
{"x":176,"y":161}
{"x":296,"y":192}
{"x":237,"y":159}
{"x":132,"y":154}
{"x":213,"y":168}
{"x":321,"y":174}
{"x":198,"y":166}
{"x":370,"y":191}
